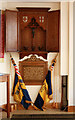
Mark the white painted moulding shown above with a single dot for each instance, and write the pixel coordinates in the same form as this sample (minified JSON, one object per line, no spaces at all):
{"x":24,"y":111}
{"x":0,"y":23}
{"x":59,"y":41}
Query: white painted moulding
{"x":26,"y":57}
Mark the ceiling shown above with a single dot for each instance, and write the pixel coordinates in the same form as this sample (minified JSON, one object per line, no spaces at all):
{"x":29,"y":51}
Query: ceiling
{"x":34,"y":1}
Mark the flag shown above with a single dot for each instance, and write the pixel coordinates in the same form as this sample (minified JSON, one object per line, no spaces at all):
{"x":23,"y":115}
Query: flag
{"x":53,"y":64}
{"x":45,"y":93}
{"x":20,"y":92}
{"x":21,"y":95}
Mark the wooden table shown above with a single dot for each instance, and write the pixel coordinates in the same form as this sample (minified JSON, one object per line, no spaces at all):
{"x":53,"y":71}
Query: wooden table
{"x":5,"y":78}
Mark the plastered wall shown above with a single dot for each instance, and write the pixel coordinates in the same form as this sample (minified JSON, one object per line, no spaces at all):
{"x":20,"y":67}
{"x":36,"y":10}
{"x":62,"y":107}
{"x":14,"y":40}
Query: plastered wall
{"x":67,"y":47}
{"x":73,"y":53}
{"x":64,"y":36}
{"x":13,"y":5}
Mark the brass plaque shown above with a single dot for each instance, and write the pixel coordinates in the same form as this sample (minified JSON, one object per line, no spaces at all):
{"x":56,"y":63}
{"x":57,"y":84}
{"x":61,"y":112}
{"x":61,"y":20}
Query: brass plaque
{"x":33,"y":73}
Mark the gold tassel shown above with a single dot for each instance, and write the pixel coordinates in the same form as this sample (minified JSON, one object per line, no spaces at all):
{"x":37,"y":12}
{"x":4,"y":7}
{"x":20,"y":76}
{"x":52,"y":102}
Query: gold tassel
{"x":56,"y":105}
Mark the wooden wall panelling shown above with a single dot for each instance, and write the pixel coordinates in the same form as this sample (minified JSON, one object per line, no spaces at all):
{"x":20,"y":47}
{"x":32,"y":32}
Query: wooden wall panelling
{"x":25,"y":33}
{"x":27,"y":40}
{"x":52,"y":42}
{"x":39,"y":40}
{"x":19,"y":33}
{"x":11,"y":30}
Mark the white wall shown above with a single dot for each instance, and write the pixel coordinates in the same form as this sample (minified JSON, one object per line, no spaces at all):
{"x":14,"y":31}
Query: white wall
{"x":13,"y":5}
{"x":70,"y":79}
{"x":66,"y":47}
{"x":64,"y":44}
{"x":73,"y":57}
{"x":7,"y":67}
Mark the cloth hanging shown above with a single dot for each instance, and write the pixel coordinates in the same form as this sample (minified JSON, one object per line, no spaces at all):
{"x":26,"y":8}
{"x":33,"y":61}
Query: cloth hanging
{"x":20,"y":92}
{"x":21,"y":95}
{"x":46,"y":93}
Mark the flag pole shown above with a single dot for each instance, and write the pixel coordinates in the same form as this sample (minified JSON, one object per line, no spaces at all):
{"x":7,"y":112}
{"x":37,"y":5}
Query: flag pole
{"x":53,"y":61}
{"x":56,"y":88}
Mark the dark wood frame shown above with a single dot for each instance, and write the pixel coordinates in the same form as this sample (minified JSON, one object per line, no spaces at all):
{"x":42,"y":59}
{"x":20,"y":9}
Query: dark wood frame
{"x":6,"y":78}
{"x":33,"y":9}
{"x":52,"y":19}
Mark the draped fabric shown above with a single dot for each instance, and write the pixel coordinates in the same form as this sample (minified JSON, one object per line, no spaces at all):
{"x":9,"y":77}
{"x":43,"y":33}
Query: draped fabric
{"x":20,"y":92}
{"x":21,"y":95}
{"x":45,"y":93}
{"x":1,"y":36}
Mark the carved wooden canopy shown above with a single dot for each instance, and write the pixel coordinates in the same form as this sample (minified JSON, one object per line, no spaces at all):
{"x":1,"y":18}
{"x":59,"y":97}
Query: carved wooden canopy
{"x":33,"y":70}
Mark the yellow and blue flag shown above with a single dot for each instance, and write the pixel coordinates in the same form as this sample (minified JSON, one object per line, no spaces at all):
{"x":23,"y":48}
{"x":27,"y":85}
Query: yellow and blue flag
{"x":21,"y":95}
{"x":20,"y":92}
{"x":45,"y":93}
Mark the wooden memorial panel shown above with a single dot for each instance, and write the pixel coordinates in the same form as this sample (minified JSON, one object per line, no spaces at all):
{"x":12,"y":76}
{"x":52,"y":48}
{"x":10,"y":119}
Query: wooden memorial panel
{"x":33,"y":70}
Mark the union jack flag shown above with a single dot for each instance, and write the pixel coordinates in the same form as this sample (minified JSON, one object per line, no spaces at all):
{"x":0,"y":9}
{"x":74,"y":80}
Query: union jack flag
{"x":20,"y":92}
{"x":53,"y":64}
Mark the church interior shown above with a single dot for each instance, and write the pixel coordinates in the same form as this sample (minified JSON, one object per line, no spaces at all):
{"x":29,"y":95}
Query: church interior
{"x":36,"y":58}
